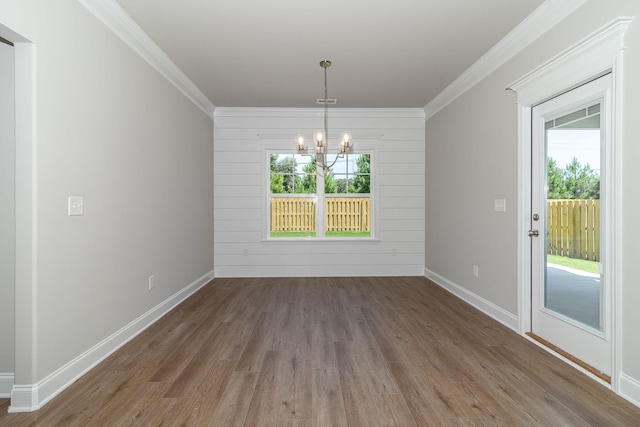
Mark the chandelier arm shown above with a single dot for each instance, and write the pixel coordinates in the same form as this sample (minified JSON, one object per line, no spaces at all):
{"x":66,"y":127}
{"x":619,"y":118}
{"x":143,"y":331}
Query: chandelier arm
{"x":326,"y":167}
{"x":338,"y":156}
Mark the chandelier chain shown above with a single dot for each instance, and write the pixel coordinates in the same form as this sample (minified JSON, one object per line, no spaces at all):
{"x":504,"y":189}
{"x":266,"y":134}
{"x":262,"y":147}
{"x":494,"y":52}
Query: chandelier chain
{"x":323,"y":157}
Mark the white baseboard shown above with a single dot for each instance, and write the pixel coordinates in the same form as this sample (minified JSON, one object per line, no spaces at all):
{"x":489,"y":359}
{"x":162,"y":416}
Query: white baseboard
{"x":30,"y":397}
{"x":6,"y":383}
{"x":487,"y":307}
{"x":630,"y":389}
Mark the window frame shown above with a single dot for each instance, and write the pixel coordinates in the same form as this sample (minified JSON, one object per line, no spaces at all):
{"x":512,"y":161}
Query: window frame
{"x":320,"y":197}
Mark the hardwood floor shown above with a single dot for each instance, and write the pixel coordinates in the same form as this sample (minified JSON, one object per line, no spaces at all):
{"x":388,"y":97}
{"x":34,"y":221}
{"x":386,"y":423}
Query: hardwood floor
{"x":329,"y":352}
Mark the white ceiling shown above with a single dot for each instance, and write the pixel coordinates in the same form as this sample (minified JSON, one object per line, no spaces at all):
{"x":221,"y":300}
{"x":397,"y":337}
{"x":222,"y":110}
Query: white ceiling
{"x":392,"y":53}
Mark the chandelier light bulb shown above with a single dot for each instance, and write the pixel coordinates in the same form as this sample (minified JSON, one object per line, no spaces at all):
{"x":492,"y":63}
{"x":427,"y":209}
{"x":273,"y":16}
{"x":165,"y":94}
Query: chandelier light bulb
{"x":300,"y":143}
{"x":345,"y":142}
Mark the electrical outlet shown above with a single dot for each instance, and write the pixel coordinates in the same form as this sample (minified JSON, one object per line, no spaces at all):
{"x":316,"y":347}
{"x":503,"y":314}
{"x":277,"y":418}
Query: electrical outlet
{"x":394,"y":252}
{"x":245,"y":252}
{"x":475,"y":271}
{"x":152,"y":281}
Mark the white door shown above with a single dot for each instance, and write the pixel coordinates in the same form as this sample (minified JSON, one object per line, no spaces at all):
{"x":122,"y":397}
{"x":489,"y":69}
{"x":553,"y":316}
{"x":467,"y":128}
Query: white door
{"x":570,"y":300}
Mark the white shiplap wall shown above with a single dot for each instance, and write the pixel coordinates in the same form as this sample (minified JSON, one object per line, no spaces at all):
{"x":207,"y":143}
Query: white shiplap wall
{"x":242,"y":138}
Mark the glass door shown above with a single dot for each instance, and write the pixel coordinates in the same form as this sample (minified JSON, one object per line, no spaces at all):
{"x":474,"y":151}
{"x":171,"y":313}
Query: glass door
{"x":570,"y":298}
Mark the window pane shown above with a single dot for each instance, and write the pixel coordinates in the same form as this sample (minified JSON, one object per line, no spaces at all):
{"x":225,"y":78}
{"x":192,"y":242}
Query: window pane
{"x":293,"y":216}
{"x":362,"y":181}
{"x":306,"y":168}
{"x":292,"y":199}
{"x":351,"y":174}
{"x":292,"y":174}
{"x":348,"y":216}
{"x":348,"y":213}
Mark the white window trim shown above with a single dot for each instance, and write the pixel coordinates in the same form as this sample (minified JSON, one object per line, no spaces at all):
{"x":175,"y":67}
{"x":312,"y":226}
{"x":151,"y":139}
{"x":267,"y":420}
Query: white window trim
{"x":281,"y":147}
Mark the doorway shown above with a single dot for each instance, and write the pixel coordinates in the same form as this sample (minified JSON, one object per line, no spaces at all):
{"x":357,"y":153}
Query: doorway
{"x":570,"y":286}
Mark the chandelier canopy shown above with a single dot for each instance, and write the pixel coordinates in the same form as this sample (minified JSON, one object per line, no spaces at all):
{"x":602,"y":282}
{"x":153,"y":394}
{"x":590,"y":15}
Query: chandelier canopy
{"x":320,"y":137}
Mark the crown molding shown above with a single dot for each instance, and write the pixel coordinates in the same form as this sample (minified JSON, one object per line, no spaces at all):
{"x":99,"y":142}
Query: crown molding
{"x":117,"y":20}
{"x":592,"y":56}
{"x":412,"y":113}
{"x":550,"y":13}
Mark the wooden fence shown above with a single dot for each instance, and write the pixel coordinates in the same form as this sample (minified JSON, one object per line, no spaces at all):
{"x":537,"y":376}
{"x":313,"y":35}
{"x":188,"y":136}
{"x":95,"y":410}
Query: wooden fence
{"x":573,"y":228}
{"x":293,"y":214}
{"x":347,"y":214}
{"x":341,"y":214}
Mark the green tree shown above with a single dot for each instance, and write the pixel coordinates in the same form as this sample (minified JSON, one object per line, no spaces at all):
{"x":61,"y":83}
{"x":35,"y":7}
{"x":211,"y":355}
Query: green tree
{"x":277,"y":183}
{"x":555,"y":180}
{"x":309,"y":181}
{"x":575,"y":181}
{"x":283,"y":168}
{"x":341,"y":184}
{"x":582,"y":182}
{"x":362,"y":181}
{"x":330,"y":185}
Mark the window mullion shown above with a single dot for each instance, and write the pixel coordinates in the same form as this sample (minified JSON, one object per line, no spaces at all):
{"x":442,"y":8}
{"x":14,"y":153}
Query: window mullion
{"x":320,"y":214}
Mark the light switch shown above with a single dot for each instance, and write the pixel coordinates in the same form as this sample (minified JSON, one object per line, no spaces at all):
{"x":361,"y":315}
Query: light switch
{"x":500,"y":205}
{"x":76,"y":205}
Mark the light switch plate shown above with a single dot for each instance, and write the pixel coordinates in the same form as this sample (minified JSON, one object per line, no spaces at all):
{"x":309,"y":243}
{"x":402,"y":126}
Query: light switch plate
{"x":76,"y":205}
{"x":500,"y":205}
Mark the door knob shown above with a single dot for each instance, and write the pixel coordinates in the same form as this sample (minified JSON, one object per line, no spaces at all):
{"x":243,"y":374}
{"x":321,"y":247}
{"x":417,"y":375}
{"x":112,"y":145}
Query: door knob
{"x":533,"y":233}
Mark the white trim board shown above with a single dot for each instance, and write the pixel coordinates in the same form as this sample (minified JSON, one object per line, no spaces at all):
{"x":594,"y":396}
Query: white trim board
{"x":26,"y":199}
{"x":485,"y":306}
{"x":590,"y":57}
{"x":630,"y":389}
{"x":549,"y":14}
{"x":30,"y":397}
{"x":117,"y":20}
{"x":6,"y":383}
{"x":288,"y":113}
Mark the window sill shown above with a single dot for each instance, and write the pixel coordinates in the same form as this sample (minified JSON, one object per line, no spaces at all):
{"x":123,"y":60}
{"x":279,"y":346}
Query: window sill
{"x":323,"y":241}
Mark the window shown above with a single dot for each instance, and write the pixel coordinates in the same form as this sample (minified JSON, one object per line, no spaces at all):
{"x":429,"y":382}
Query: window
{"x":305,"y":204}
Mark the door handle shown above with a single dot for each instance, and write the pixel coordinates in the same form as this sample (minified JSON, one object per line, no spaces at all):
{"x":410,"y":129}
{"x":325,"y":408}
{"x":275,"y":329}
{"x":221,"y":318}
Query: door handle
{"x":533,"y":233}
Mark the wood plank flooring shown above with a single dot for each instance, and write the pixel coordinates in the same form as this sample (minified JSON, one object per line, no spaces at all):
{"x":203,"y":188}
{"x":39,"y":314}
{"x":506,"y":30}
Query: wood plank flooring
{"x":311,"y":352}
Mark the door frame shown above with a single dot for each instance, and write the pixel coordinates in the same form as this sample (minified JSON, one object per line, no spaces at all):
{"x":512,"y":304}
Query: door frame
{"x":24,"y":395}
{"x":597,"y":54}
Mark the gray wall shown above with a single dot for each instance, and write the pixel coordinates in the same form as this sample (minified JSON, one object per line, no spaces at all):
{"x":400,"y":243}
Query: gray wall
{"x":471,"y":158}
{"x":111,"y":129}
{"x":7,"y":209}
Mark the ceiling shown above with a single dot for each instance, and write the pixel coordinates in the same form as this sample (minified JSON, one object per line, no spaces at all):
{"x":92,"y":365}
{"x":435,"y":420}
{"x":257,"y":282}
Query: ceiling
{"x":392,"y":54}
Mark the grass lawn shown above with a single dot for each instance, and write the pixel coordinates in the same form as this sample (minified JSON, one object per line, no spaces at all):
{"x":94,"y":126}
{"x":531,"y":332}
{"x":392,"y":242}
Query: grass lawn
{"x":293,"y":234}
{"x":578,"y":264}
{"x":327,"y":234}
{"x":348,"y":234}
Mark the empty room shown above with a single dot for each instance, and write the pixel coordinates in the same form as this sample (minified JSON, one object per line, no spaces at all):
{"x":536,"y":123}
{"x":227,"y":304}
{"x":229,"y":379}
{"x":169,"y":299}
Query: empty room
{"x":341,"y":213}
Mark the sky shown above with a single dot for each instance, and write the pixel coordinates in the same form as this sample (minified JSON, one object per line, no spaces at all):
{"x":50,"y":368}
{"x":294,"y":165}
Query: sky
{"x":565,"y":144}
{"x":339,"y":168}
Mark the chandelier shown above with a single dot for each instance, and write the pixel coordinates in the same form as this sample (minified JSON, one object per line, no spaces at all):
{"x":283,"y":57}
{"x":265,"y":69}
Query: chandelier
{"x":320,"y":137}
